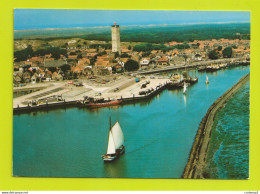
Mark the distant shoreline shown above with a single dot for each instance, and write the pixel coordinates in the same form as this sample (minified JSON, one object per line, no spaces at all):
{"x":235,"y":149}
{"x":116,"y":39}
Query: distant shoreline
{"x":197,"y":159}
{"x":141,"y":25}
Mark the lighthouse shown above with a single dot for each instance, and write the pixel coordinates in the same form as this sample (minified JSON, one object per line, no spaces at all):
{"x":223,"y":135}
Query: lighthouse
{"x":115,"y":33}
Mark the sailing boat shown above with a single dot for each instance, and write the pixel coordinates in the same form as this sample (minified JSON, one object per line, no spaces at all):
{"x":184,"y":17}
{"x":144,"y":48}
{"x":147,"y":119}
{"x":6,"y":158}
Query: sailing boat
{"x":115,"y":146}
{"x":184,"y":88}
{"x":207,"y":80}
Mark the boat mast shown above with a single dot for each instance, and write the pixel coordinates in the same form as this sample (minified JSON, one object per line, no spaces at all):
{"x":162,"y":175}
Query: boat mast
{"x":109,"y":123}
{"x":109,"y":131}
{"x":110,"y":140}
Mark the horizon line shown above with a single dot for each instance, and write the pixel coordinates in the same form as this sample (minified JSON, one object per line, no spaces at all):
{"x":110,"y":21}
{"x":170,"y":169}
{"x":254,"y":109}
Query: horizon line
{"x":200,"y":23}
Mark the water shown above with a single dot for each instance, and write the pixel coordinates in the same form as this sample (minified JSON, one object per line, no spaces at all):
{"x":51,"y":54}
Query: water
{"x":228,"y":156}
{"x":158,"y":134}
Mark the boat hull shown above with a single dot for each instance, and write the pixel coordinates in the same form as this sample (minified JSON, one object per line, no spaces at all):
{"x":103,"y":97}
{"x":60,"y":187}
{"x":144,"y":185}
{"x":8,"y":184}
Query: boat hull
{"x":176,"y":85}
{"x":105,"y":104}
{"x":212,"y":69}
{"x":202,"y":69}
{"x":113,"y":157}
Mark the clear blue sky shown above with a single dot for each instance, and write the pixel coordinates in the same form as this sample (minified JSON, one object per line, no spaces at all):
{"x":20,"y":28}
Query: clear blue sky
{"x":62,"y":18}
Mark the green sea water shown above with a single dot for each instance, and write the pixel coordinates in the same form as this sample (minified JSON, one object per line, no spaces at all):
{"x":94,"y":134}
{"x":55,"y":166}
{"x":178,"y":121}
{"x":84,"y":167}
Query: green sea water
{"x":159,"y":134}
{"x":228,"y":156}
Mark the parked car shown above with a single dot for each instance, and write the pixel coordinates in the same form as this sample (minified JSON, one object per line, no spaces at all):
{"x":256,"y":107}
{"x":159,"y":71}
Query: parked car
{"x":78,"y":84}
{"x":143,"y":86}
{"x":142,"y":92}
{"x":116,"y":89}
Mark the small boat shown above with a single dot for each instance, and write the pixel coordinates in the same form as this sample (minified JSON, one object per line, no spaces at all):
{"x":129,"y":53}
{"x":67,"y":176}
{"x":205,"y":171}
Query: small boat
{"x":194,"y":80}
{"x":175,"y":84}
{"x":207,"y":80}
{"x":212,"y":68}
{"x":223,"y":65}
{"x":184,"y":88}
{"x":104,"y":104}
{"x":115,"y":146}
{"x":202,"y":68}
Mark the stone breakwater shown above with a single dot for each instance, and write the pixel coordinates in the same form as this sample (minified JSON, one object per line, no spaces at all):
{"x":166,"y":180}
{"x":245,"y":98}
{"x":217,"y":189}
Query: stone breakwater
{"x":198,"y":154}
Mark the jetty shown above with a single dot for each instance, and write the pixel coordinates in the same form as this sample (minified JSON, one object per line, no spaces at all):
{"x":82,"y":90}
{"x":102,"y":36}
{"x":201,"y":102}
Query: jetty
{"x":198,"y":155}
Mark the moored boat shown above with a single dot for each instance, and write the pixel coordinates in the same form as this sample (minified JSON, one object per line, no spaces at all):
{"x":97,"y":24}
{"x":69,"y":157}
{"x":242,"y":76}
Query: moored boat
{"x":105,"y":103}
{"x":176,"y":84}
{"x":223,"y":65}
{"x":202,"y":68}
{"x":115,"y":146}
{"x":194,"y":80}
{"x":211,"y":68}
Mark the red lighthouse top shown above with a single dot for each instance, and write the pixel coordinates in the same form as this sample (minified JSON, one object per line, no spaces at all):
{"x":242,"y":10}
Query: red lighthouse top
{"x":115,"y":23}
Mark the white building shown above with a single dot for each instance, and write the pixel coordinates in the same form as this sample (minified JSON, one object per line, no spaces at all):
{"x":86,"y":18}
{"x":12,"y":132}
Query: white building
{"x":144,"y":62}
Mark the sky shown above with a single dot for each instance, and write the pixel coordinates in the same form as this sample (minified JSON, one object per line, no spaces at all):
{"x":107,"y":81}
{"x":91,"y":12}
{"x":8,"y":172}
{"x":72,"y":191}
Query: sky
{"x":25,"y":19}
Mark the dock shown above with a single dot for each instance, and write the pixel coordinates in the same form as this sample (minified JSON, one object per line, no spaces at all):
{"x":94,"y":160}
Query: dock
{"x":62,"y":94}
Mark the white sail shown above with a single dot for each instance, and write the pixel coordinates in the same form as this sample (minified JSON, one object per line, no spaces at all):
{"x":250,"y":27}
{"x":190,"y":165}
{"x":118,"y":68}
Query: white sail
{"x":118,"y":135}
{"x":184,"y":88}
{"x":207,"y":79}
{"x":111,"y":144}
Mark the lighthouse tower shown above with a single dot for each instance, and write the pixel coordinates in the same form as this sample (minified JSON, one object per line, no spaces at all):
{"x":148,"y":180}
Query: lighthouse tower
{"x":115,"y":33}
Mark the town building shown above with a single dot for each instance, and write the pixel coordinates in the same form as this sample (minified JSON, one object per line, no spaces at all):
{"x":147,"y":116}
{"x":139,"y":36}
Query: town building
{"x":145,"y":62}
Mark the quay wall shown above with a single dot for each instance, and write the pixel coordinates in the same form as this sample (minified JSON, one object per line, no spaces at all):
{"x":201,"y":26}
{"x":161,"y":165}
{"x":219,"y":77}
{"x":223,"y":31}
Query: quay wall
{"x":145,"y":97}
{"x":77,"y":103}
{"x":197,"y":159}
{"x":47,"y":106}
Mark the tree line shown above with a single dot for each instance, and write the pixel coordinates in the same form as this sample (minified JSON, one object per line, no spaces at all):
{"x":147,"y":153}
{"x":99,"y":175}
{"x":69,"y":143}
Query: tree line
{"x":147,"y":47}
{"x":161,"y":34}
{"x":28,"y":52}
{"x":155,"y":34}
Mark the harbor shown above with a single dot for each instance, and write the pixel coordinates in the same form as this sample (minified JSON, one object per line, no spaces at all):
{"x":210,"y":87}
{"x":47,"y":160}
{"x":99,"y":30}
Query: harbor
{"x":65,"y":92}
{"x":125,"y":89}
{"x":176,"y":118}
